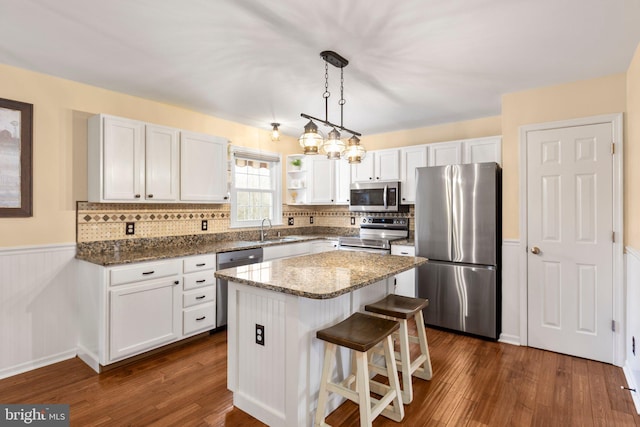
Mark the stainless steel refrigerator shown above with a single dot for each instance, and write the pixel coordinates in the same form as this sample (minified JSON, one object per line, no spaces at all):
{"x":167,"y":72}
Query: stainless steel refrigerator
{"x":458,"y":228}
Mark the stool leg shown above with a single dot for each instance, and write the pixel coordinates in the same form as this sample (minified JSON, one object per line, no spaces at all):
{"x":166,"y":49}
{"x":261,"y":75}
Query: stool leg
{"x":426,"y":371}
{"x":405,"y":360}
{"x":397,"y":412}
{"x":323,"y":394}
{"x":364,"y":392}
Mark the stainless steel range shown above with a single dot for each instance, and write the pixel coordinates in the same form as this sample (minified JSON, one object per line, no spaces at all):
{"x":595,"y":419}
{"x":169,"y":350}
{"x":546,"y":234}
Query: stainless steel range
{"x":376,"y":235}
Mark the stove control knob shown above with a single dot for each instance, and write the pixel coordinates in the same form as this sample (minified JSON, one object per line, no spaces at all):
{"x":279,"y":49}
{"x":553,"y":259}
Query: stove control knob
{"x":364,"y":220}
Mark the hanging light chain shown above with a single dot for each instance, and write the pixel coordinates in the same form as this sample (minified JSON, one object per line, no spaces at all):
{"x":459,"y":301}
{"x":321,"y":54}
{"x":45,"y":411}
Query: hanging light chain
{"x":326,"y":93}
{"x":342,"y":100}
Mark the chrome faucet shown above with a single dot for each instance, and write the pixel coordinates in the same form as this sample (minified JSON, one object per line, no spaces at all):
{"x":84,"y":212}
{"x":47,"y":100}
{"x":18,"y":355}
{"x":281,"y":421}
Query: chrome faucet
{"x":263,"y":234}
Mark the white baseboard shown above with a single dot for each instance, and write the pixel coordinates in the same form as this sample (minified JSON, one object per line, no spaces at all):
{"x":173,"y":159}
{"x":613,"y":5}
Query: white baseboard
{"x":635,"y":395}
{"x":509,"y":339}
{"x":89,"y":358}
{"x":35,"y":364}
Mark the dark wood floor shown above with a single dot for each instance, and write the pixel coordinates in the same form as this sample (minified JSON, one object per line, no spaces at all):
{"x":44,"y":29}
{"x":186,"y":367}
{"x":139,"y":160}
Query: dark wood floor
{"x":475,"y":382}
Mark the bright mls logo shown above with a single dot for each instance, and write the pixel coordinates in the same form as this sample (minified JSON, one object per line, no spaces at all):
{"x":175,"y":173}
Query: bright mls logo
{"x":34,"y":415}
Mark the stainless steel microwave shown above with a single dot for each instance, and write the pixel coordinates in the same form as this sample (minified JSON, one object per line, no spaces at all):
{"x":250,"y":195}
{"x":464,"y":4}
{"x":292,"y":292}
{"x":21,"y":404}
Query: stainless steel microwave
{"x":376,"y":197}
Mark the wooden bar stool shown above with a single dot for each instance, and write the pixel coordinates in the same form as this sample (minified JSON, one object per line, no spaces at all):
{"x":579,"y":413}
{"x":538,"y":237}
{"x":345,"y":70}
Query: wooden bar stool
{"x":361,"y":332}
{"x":401,"y":309}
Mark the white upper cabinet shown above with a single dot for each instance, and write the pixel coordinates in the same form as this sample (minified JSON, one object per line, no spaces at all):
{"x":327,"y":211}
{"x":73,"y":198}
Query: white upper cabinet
{"x":203,"y":168}
{"x":378,"y":165}
{"x":129,"y":161}
{"x":162,"y":163}
{"x":321,"y":176}
{"x":445,"y":153}
{"x":343,"y":182}
{"x":133,"y":161}
{"x":410,"y":159}
{"x":480,"y":150}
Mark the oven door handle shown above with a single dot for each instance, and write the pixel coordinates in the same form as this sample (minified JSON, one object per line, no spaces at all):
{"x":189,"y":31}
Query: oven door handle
{"x":384,"y":196}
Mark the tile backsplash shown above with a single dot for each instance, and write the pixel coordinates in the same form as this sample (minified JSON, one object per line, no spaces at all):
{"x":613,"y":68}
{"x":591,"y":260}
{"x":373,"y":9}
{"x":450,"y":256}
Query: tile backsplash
{"x":107,"y":221}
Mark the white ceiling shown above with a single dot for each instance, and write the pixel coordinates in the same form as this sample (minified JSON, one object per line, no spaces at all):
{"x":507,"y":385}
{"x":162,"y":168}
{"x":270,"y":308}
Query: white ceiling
{"x":412,"y":63}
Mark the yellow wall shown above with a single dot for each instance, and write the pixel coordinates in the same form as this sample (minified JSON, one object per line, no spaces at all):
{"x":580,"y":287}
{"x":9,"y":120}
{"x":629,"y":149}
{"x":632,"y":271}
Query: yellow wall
{"x":61,"y":108}
{"x":489,"y":126}
{"x":632,"y":155}
{"x":605,"y":95}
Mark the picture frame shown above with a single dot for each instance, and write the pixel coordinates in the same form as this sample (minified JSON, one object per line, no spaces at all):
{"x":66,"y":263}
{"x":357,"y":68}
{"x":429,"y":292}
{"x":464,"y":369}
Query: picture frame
{"x":16,"y":180}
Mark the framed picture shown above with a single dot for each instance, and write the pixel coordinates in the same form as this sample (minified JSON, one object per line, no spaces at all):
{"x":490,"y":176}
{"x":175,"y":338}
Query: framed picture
{"x":16,"y":125}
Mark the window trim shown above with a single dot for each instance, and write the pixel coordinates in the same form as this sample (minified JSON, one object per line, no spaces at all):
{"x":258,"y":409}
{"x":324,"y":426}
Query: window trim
{"x":275,"y":159}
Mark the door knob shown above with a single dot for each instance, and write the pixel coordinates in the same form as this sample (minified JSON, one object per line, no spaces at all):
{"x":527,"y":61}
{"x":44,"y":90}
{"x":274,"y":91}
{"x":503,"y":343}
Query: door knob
{"x":535,"y":250}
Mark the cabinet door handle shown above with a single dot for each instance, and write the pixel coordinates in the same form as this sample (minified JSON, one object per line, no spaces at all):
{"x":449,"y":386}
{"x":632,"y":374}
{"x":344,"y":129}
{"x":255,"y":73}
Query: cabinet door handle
{"x":370,"y":177}
{"x":225,"y":197}
{"x":200,"y":297}
{"x":201,"y":264}
{"x":177,"y":282}
{"x":150,"y":196}
{"x":404,"y":253}
{"x":137,"y":196}
{"x":200,"y":281}
{"x":201,"y":318}
{"x":146,"y":273}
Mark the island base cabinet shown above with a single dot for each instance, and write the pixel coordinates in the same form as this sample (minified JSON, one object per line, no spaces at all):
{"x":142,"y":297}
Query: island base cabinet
{"x":139,"y":320}
{"x":277,"y":380}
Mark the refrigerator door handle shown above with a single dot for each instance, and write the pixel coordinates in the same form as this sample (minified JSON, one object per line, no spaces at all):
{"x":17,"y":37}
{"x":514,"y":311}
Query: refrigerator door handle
{"x":384,"y":196}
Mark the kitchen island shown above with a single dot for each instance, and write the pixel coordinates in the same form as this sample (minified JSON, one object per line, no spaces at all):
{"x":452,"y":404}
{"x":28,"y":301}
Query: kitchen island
{"x":275,"y":308}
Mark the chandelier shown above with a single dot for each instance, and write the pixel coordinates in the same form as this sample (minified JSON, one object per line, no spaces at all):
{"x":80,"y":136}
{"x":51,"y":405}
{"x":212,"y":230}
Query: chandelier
{"x":313,"y":141}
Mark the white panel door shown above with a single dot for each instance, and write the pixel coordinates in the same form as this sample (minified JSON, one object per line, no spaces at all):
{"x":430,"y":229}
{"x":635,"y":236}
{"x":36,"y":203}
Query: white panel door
{"x":570,"y":256}
{"x":123,"y":159}
{"x":364,"y":171}
{"x":162,"y":163}
{"x":410,"y":159}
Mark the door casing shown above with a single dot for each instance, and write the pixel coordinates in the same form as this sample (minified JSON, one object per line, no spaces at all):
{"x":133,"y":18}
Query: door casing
{"x":618,"y":225}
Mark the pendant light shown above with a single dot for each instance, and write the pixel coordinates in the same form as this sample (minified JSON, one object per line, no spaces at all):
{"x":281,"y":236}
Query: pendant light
{"x":275,"y":132}
{"x":312,"y":140}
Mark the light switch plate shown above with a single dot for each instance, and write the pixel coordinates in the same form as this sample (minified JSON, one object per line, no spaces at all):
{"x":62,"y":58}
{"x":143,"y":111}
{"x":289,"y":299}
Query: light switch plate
{"x":311,"y":220}
{"x":353,"y":220}
{"x":290,"y":220}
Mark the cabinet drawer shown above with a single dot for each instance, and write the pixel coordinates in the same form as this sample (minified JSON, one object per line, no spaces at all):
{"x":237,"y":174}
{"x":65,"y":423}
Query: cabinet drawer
{"x":198,"y":318}
{"x":144,"y":271}
{"x":199,"y":296}
{"x":403,"y":250}
{"x":198,"y":280}
{"x":199,"y":262}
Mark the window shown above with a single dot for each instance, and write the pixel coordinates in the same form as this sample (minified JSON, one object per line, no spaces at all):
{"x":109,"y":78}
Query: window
{"x":255,"y":187}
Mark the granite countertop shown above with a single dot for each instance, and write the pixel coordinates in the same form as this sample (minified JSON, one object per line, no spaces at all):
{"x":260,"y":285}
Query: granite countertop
{"x":323,"y":275}
{"x":115,"y":256}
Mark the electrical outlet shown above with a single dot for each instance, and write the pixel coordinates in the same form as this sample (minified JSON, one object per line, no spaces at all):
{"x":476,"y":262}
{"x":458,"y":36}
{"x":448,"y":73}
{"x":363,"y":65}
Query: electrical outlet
{"x":310,"y":220}
{"x":290,"y":220}
{"x":130,"y":228}
{"x":259,"y":334}
{"x":353,"y":220}
{"x":633,"y":345}
{"x":205,"y":225}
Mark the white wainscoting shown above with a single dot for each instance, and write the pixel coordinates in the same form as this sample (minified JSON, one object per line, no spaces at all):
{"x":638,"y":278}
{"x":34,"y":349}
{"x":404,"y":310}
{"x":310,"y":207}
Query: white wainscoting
{"x":510,"y":292}
{"x":37,"y":307}
{"x":632,"y":362}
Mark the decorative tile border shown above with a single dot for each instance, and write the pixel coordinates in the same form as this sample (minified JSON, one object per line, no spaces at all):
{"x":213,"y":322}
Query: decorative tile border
{"x":106,"y":221}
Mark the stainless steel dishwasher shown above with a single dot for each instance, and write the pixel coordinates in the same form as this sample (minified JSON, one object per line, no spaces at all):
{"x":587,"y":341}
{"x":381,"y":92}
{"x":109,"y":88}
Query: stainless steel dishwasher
{"x":230,"y":260}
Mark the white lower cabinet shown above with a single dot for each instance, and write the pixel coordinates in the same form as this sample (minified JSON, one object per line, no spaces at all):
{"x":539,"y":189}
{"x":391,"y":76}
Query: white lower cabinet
{"x":285,"y":251}
{"x":199,"y":318}
{"x":318,"y":246}
{"x":405,"y":283}
{"x":143,"y":316}
{"x":130,"y":309}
